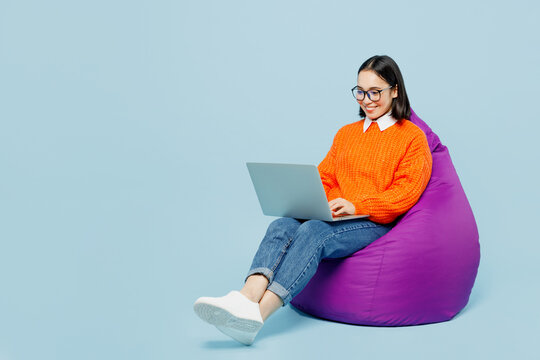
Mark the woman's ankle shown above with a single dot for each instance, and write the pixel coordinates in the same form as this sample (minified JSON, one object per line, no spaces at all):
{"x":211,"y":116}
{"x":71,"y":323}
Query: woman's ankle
{"x":269,"y":303}
{"x":255,"y":287}
{"x":251,"y":296}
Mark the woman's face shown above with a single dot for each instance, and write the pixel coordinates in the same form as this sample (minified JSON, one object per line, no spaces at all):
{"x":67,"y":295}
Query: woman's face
{"x":369,"y":80}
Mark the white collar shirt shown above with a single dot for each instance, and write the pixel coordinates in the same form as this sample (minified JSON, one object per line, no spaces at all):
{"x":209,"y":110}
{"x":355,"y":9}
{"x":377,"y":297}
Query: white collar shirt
{"x":384,"y":122}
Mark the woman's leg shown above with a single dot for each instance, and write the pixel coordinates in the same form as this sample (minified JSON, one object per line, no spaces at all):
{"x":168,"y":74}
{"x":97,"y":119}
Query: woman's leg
{"x":315,"y":240}
{"x":287,"y":241}
{"x":239,"y":314}
{"x":287,"y":258}
{"x":271,"y":251}
{"x":269,"y":255}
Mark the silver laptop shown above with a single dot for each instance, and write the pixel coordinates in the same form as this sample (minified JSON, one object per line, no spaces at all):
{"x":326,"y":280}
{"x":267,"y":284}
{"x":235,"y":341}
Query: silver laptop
{"x":290,"y":190}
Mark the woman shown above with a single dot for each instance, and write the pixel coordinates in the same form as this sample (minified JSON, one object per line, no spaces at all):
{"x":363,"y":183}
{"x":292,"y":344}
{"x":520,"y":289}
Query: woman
{"x":379,"y":166}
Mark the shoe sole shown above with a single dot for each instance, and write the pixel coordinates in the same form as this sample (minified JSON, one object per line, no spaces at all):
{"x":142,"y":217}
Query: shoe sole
{"x":220,"y":317}
{"x":246,"y":338}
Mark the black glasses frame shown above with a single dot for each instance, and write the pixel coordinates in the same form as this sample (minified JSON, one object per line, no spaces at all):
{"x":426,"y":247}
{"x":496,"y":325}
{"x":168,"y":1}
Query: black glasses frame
{"x":370,"y":93}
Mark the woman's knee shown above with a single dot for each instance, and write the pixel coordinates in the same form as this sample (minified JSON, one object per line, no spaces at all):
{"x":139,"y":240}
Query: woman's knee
{"x":310,"y":237}
{"x":312,"y":229}
{"x":282,"y":226}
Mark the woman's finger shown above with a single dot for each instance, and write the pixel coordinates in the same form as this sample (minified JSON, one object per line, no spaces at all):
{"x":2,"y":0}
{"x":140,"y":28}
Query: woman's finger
{"x":336,"y":206}
{"x":343,"y":211}
{"x":335,"y":201}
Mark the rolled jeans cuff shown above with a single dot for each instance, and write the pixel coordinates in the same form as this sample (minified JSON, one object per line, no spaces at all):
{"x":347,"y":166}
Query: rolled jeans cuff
{"x":280,"y":291}
{"x":269,"y":274}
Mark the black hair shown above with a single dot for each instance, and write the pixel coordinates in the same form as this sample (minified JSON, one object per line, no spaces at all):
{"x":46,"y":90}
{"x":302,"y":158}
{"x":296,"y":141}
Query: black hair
{"x":388,"y":70}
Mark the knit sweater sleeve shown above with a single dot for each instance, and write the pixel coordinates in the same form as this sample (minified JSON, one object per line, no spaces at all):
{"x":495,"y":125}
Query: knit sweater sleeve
{"x":327,"y":169}
{"x":410,"y":180}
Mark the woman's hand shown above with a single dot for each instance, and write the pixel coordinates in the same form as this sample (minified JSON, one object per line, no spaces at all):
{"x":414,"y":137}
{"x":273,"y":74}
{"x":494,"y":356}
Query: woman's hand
{"x":341,"y":207}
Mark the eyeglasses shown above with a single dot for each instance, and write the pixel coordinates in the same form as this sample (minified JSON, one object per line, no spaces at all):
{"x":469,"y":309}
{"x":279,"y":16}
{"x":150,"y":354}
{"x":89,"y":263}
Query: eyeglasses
{"x":373,"y":95}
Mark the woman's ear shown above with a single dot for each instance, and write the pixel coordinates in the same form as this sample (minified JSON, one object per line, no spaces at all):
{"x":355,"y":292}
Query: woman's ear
{"x":394,"y":92}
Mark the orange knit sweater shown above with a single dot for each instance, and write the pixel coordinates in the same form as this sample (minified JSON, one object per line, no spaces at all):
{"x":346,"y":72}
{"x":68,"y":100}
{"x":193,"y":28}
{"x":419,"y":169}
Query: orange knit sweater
{"x":382,"y":173}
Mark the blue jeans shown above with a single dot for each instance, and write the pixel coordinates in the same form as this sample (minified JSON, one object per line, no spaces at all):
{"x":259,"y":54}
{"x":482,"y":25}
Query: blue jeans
{"x":292,"y":249}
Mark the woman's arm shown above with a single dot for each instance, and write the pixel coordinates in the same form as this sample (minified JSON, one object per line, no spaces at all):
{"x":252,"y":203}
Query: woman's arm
{"x":327,"y":169}
{"x":410,"y":180}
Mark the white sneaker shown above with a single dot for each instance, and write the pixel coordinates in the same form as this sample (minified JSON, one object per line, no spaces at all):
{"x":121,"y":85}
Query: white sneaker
{"x":243,"y":337}
{"x":233,"y":314}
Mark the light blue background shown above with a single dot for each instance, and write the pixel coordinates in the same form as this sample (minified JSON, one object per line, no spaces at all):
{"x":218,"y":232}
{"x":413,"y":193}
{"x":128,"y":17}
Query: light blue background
{"x":124,"y":131}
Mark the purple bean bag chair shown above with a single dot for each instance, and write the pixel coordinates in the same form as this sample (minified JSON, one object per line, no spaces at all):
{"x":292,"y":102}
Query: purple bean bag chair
{"x":421,"y":271}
